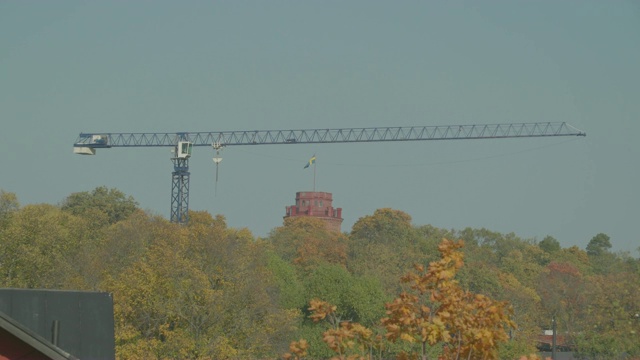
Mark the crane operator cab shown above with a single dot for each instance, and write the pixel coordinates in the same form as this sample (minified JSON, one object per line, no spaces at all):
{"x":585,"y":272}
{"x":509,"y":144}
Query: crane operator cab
{"x":100,"y":140}
{"x":184,"y":149}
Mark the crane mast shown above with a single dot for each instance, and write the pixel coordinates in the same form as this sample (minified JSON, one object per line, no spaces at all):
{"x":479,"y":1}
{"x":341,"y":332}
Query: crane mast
{"x":182,"y":143}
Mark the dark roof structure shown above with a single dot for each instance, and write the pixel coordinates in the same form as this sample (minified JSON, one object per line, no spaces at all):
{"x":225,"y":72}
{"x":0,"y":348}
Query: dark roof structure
{"x":18,"y":342}
{"x":80,"y":323}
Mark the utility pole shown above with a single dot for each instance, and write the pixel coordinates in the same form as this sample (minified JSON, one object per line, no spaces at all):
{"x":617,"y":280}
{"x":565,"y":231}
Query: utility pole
{"x":553,"y":338}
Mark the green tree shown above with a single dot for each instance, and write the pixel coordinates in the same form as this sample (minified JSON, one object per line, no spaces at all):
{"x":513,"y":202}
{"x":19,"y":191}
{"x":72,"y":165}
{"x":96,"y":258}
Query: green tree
{"x":612,"y":323}
{"x":291,"y":293}
{"x":601,"y":259}
{"x":8,"y":205}
{"x":549,"y":244}
{"x":107,"y":205}
{"x":481,"y":278}
{"x":525,"y":303}
{"x":508,"y":269}
{"x":357,"y":298}
{"x":384,"y":245}
{"x":382,"y":262}
{"x":385,"y":226}
{"x":526,"y":265}
{"x":598,"y":245}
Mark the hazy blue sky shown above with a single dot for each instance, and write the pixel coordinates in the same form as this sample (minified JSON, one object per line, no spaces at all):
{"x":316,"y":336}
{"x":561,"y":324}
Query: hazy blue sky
{"x":167,"y":66}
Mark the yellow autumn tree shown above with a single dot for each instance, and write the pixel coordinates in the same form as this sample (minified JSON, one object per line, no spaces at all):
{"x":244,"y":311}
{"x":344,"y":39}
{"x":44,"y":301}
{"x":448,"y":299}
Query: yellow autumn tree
{"x":434,"y":311}
{"x":437,"y":311}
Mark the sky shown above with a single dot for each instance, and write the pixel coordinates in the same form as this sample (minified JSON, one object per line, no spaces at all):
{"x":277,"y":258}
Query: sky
{"x":166,"y":66}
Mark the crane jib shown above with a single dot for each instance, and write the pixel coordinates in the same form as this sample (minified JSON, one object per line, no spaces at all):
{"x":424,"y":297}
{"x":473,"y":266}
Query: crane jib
{"x":320,"y":136}
{"x":183,"y":142}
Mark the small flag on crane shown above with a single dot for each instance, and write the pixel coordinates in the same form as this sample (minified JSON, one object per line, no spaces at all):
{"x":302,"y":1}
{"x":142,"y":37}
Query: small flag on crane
{"x":311,"y":161}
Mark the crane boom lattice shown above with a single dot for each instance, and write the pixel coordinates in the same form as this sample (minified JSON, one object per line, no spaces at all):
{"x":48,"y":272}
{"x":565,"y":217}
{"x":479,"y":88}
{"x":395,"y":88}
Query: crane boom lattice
{"x":87,"y":143}
{"x":316,"y":136}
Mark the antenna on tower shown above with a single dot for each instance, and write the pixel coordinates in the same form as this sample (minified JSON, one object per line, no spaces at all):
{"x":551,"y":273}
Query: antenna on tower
{"x":217,"y":159}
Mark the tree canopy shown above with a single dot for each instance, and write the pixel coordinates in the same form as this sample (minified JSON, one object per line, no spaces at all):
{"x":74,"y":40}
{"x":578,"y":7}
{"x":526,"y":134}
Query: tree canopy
{"x":599,"y":245}
{"x":109,"y":205}
{"x":206,"y":290}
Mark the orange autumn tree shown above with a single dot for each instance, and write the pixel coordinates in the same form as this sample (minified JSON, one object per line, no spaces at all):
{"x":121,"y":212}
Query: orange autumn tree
{"x":436,"y":311}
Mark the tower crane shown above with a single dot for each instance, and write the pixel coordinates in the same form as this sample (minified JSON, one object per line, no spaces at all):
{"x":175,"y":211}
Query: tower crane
{"x":183,"y":143}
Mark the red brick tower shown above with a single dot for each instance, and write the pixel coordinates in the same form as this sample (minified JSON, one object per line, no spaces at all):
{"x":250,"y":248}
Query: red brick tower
{"x":318,"y":205}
